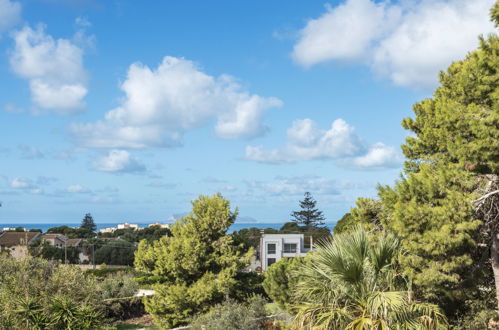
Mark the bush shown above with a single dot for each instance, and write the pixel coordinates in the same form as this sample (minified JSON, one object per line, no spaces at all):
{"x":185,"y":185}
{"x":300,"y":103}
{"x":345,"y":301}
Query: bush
{"x":105,"y":272}
{"x":117,"y":252}
{"x":118,"y":285}
{"x":36,"y":294}
{"x":231,"y":315}
{"x":124,"y":308}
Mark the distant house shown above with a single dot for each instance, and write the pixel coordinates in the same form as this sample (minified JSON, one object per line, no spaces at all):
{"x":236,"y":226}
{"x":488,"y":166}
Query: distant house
{"x":273,"y":247}
{"x":16,"y":243}
{"x":62,"y":241}
{"x":161,"y":225}
{"x":78,"y":243}
{"x":57,"y":240}
{"x":107,"y":230}
{"x":127,"y":225}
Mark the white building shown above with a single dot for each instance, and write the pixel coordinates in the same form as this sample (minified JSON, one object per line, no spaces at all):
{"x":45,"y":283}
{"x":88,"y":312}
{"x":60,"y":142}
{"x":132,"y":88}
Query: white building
{"x":107,"y":230}
{"x":273,"y":247}
{"x":127,"y":225}
{"x":160,"y":225}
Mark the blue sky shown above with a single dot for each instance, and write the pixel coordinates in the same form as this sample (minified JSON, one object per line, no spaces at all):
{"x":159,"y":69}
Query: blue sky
{"x":131,"y":109}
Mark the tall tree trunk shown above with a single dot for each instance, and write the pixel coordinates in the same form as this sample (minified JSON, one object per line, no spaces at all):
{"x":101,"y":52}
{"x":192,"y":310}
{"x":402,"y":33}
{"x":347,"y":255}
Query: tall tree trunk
{"x":494,"y":255}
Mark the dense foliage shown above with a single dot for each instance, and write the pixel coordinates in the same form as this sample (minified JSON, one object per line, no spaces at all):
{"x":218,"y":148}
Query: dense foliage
{"x":150,"y":233}
{"x":116,"y":252}
{"x":452,"y":160}
{"x":354,"y":282}
{"x":231,"y":315}
{"x":36,"y":294}
{"x":199,"y":263}
{"x":71,"y":232}
{"x":44,"y":250}
{"x":281,"y":279}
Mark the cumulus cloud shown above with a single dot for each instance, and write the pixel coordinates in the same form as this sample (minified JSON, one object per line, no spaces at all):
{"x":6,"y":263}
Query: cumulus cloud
{"x":306,"y":141}
{"x":26,"y":185}
{"x":10,"y":14}
{"x":161,"y":104}
{"x":118,"y":161}
{"x":30,"y":152}
{"x":285,"y":186}
{"x":54,"y":68}
{"x":378,"y":156}
{"x":408,"y":42}
{"x":77,"y":189}
{"x":20,"y":183}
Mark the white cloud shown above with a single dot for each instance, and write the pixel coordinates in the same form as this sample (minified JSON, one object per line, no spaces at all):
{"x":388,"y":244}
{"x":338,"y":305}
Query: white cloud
{"x":10,"y":14}
{"x":305,"y":141}
{"x":118,"y":161}
{"x":77,"y":189}
{"x":20,"y":183}
{"x":161,"y":104}
{"x":378,"y":156}
{"x":285,"y":186}
{"x":54,"y":68}
{"x":30,"y":152}
{"x":26,"y":185}
{"x":12,"y":108}
{"x":83,"y":22}
{"x":409,"y":42}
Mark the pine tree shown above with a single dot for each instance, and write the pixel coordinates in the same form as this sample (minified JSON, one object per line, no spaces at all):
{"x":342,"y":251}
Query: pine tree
{"x":199,"y":263}
{"x":88,"y":223}
{"x":451,"y":178}
{"x":309,"y":215}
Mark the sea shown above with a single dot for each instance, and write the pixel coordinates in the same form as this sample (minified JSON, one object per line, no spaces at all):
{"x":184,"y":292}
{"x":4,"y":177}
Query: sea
{"x":235,"y":227}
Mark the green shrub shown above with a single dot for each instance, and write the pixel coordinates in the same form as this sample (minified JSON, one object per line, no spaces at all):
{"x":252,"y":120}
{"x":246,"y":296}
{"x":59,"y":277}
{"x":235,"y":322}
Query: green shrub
{"x":231,"y":315}
{"x":36,"y":294}
{"x":104,"y":273}
{"x":118,"y":285}
{"x":124,"y":308}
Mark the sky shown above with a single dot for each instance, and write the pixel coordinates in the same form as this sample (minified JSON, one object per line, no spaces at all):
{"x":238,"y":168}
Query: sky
{"x":129,"y":110}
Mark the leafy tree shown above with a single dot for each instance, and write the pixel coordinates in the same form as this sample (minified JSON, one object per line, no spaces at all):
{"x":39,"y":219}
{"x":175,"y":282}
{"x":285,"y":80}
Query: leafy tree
{"x":280,"y":281}
{"x":445,"y":207}
{"x":71,"y":254}
{"x":152,"y":233}
{"x":199,"y":263}
{"x":354,"y":282}
{"x":118,"y":252}
{"x":88,"y":223}
{"x":309,"y":215}
{"x":292,"y":227}
{"x":346,"y":223}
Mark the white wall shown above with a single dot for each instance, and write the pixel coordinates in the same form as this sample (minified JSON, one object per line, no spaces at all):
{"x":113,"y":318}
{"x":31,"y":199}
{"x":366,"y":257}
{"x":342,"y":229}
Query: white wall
{"x":279,"y":240}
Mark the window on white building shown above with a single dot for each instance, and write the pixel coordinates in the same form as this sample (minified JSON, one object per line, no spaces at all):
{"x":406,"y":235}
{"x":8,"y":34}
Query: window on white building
{"x":289,"y":247}
{"x":270,"y":261}
{"x":271,"y":248}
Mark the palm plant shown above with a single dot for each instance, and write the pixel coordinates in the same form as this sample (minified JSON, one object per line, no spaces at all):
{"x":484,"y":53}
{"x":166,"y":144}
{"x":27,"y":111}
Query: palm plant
{"x":353,"y":282}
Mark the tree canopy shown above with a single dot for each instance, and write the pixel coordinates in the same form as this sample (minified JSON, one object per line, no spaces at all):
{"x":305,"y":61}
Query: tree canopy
{"x":199,"y":263}
{"x":308,"y":215}
{"x":452,"y":160}
{"x":88,"y":223}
